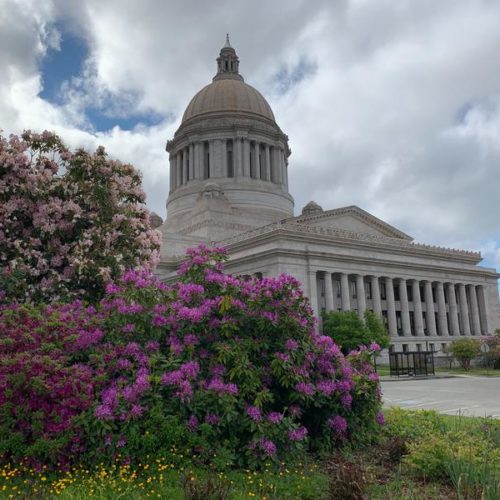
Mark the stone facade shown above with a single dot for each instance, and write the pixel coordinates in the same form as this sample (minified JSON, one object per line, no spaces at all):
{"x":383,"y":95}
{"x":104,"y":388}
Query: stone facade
{"x":229,"y":186}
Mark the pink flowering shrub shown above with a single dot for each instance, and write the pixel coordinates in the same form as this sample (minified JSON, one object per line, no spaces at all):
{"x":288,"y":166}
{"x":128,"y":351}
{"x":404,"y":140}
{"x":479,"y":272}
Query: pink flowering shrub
{"x":213,"y":363}
{"x":69,"y":221}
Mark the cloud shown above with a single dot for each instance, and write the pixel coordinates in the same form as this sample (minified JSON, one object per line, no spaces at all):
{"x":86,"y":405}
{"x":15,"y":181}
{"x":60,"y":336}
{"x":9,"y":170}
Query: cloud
{"x":391,"y":105}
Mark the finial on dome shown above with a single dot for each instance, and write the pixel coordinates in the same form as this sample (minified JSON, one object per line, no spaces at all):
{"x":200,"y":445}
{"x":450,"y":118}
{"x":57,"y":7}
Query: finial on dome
{"x":228,"y":45}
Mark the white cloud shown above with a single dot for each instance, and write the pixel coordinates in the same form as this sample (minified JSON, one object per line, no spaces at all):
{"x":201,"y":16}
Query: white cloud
{"x":397,"y":110}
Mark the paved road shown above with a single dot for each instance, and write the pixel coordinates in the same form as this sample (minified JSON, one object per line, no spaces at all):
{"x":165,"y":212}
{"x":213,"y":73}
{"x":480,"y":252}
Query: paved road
{"x":470,"y":396}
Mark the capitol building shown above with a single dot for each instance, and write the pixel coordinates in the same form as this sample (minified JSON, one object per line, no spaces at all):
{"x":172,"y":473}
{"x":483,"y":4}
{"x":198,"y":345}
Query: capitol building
{"x":229,"y":164}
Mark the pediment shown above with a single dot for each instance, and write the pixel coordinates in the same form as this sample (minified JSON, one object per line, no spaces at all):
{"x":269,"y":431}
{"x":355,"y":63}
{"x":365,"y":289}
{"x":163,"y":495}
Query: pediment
{"x":353,"y":219}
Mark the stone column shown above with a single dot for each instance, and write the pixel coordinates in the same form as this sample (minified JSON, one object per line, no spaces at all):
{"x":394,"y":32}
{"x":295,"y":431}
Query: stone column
{"x":474,"y":309}
{"x":171,"y":173}
{"x":443,"y":324}
{"x":180,"y":179}
{"x":329,"y":292}
{"x":277,"y":165}
{"x":223,"y":156}
{"x":405,"y":311}
{"x":282,"y":168}
{"x":313,"y":292}
{"x":256,"y":165}
{"x":191,"y":162}
{"x":246,"y":158}
{"x":429,"y":309}
{"x":391,"y":307}
{"x":198,"y":160}
{"x":344,"y":291}
{"x":483,"y":310}
{"x":417,"y":308}
{"x":237,"y":160}
{"x":267,"y":163}
{"x":377,"y":304}
{"x":453,"y":310}
{"x":464,"y":309}
{"x":185,"y":165}
{"x":361,"y":294}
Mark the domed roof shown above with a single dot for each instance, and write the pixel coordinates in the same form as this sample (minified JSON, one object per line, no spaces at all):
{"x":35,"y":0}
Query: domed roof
{"x":228,"y":95}
{"x":228,"y":92}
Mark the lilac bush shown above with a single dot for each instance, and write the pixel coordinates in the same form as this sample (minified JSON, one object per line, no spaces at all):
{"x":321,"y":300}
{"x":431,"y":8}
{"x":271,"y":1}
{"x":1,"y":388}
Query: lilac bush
{"x":214,"y":364}
{"x":69,"y":221}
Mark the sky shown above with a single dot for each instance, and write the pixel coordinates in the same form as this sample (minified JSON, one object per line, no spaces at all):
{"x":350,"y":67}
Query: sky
{"x":391,"y":105}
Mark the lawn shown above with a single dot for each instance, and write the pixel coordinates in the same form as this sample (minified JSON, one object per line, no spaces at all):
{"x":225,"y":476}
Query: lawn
{"x":421,"y":454}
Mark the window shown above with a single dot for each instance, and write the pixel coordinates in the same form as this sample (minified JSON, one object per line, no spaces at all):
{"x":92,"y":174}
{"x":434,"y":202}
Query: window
{"x":438,"y":326}
{"x":258,"y":275}
{"x":448,"y":323}
{"x":434,"y":294}
{"x":368,"y":288}
{"x":252,"y":166}
{"x":424,"y":322}
{"x":409,"y":293}
{"x":445,"y":296}
{"x":405,"y":347}
{"x":412,"y":323}
{"x":419,"y":347}
{"x":385,"y":319}
{"x":352,"y":285}
{"x":229,"y":154}
{"x":399,"y":325}
{"x":322,"y":286}
{"x":383,"y":291}
{"x":338,"y":287}
{"x":431,"y":346}
{"x":396,"y":292}
{"x":260,"y":171}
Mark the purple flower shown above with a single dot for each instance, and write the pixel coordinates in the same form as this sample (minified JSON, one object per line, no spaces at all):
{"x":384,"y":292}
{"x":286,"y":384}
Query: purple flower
{"x":190,"y":369}
{"x":152,"y":345}
{"x":211,"y":418}
{"x":128,"y":328}
{"x":346,"y":400}
{"x":275,"y":417}
{"x":305,"y":388}
{"x":136,"y":411}
{"x":254,"y":413}
{"x":338,"y":425}
{"x":192,"y":423}
{"x":374,"y":347}
{"x":291,"y":344}
{"x":283,"y":356}
{"x":326,"y":387}
{"x":380,"y":418}
{"x":103,"y":412}
{"x":268,"y":447}
{"x":295,"y":410}
{"x":297,"y":434}
{"x":121,"y":443}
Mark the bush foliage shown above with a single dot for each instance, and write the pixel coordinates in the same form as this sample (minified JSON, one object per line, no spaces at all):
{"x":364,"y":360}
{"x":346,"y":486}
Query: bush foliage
{"x":213,"y":364}
{"x":349,"y":331}
{"x":465,"y":350}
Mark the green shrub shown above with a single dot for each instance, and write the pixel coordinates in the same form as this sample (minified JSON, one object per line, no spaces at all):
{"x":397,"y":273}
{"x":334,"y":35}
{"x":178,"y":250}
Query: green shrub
{"x":464,"y":350}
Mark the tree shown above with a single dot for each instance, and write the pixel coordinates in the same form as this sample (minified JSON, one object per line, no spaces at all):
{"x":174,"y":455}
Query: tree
{"x":69,"y":221}
{"x":464,"y":350}
{"x":492,"y":350}
{"x":349,"y":331}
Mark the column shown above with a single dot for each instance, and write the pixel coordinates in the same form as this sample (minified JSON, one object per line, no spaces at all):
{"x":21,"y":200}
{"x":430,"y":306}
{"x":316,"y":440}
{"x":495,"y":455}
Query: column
{"x":483,"y":309}
{"x":277,"y":166}
{"x":329,"y":292}
{"x":184,"y":165}
{"x":417,"y":308}
{"x":172,"y":173}
{"x":313,"y":292}
{"x":267,"y":163}
{"x":344,"y":291}
{"x":283,"y":169}
{"x":256,"y":165}
{"x":391,"y":307}
{"x":246,"y":158}
{"x":443,"y":324}
{"x":453,"y":310}
{"x":377,"y":304}
{"x":361,"y":294}
{"x":198,"y":160}
{"x":474,"y":310}
{"x":405,"y":311}
{"x":464,"y":309}
{"x":238,"y":163}
{"x":179,"y":169}
{"x":191,"y":162}
{"x":429,"y":309}
{"x":223,"y":157}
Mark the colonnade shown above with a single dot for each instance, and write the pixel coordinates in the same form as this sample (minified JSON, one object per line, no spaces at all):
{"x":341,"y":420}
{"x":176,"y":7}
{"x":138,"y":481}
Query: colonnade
{"x":410,"y":307}
{"x":232,"y":157}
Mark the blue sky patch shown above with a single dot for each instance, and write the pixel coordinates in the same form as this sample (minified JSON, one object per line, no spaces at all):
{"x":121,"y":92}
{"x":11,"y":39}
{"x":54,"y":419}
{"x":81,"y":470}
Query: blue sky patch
{"x":61,"y":65}
{"x":102,"y":122}
{"x":286,"y":78}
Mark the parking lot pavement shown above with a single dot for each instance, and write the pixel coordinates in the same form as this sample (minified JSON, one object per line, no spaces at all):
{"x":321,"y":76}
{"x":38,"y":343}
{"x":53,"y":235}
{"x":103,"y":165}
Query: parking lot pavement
{"x":464,"y":395}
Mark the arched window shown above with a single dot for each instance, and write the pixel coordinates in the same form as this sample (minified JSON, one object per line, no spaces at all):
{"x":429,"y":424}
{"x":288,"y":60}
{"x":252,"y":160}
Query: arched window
{"x":230,"y":161}
{"x":206,"y":160}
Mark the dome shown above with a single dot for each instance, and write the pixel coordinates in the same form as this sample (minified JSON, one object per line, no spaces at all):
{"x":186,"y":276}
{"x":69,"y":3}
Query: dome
{"x":312,"y":208}
{"x":228,"y":95}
